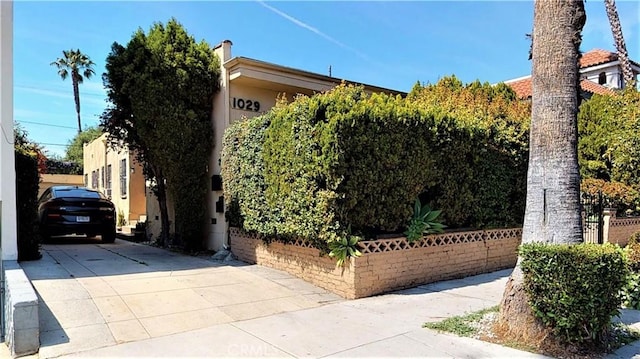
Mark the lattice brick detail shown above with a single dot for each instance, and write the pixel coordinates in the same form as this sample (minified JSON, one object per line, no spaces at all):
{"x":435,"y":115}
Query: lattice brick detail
{"x":623,"y":222}
{"x":401,"y":243}
{"x":239,"y":233}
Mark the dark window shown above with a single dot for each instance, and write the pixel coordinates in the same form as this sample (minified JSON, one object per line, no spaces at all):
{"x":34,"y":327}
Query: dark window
{"x":102,"y":178}
{"x":123,"y":177}
{"x":76,"y":193}
{"x":602,"y":78}
{"x":94,"y":179}
{"x":108,"y":180}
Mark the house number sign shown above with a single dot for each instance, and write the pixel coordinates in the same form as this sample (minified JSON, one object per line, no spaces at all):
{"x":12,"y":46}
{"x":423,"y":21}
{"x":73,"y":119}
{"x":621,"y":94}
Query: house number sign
{"x":246,"y":104}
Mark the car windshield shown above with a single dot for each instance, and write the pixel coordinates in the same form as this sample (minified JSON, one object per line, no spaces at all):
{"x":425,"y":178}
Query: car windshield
{"x":76,"y":193}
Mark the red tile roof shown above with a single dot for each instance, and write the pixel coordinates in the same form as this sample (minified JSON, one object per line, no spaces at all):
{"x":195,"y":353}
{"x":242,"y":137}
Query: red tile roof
{"x":597,"y":57}
{"x":590,"y":86}
{"x":523,"y":88}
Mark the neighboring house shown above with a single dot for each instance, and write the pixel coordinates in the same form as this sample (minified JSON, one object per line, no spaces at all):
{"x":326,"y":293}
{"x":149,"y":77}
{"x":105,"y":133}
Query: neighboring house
{"x":600,"y":73}
{"x":47,"y":180}
{"x":117,"y":174}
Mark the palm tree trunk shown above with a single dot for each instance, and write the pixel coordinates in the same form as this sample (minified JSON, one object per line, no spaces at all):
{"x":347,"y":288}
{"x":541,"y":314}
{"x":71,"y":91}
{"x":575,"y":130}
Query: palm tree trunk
{"x":76,"y":97}
{"x":552,"y":213}
{"x":621,"y":47}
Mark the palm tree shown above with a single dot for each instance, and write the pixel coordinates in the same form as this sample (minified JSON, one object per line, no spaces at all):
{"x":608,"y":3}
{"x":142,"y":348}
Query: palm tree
{"x":623,"y":55}
{"x":552,"y":213}
{"x":80,"y":66}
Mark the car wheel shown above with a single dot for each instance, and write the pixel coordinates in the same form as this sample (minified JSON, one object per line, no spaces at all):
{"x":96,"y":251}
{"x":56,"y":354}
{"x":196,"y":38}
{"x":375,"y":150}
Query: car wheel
{"x":109,"y":236}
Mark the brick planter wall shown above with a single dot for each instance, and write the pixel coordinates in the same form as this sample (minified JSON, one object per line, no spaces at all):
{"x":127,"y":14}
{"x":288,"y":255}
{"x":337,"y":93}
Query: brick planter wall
{"x":621,"y":229}
{"x":386,"y":264}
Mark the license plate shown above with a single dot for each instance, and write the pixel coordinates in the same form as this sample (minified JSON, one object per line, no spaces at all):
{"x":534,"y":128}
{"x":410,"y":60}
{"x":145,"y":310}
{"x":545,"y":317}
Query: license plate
{"x":83,"y":218}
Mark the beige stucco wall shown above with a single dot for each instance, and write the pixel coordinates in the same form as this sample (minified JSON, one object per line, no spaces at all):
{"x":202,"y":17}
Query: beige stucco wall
{"x":47,"y":180}
{"x":97,"y":157}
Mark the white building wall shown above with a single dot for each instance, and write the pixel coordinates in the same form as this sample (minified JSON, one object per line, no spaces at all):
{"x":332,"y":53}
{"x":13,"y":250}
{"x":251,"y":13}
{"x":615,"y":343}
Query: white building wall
{"x":9,"y":246}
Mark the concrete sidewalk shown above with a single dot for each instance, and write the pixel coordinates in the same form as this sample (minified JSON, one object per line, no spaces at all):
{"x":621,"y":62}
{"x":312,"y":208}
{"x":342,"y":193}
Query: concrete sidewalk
{"x":128,"y":300}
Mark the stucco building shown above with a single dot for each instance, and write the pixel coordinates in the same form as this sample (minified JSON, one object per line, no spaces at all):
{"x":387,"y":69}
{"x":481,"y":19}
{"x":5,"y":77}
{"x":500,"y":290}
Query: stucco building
{"x":248,"y":88}
{"x":116,"y":173}
{"x":600,"y":73}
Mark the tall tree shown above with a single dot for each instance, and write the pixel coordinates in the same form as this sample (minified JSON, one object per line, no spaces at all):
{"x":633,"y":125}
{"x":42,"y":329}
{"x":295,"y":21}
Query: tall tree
{"x":80,"y":67}
{"x":75,"y":148}
{"x":621,"y":47}
{"x":552,"y":213}
{"x":161,"y":87}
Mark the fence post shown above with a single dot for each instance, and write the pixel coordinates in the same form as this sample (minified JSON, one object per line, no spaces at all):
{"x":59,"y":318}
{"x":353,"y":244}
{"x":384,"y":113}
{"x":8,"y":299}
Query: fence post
{"x":600,"y":218}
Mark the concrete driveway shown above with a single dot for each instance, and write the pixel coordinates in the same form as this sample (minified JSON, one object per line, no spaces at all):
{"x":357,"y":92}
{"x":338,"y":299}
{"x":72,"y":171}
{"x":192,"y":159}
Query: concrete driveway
{"x":95,"y":295}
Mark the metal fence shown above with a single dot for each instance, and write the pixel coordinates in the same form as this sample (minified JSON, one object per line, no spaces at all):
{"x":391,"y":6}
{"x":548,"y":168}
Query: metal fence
{"x":592,"y":206}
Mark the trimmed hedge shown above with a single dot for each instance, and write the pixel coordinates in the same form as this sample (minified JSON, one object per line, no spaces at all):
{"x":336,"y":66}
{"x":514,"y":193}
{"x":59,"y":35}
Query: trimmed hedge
{"x":346,"y":162}
{"x":574,"y":289}
{"x":27,"y":180}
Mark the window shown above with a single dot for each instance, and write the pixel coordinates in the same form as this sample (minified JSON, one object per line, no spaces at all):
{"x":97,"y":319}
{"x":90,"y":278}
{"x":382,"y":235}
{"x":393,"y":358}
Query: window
{"x":602,"y":78}
{"x":123,"y":177}
{"x":108,"y":181}
{"x":102,"y":178}
{"x":94,"y":179}
{"x":86,"y":179}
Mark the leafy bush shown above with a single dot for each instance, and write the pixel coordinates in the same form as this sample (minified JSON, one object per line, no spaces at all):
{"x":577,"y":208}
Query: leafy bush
{"x":27,"y":180}
{"x":424,"y":221}
{"x":609,"y":145}
{"x":480,"y":151}
{"x":574,"y":289}
{"x":614,"y":194}
{"x":631,"y":292}
{"x":318,"y":165}
{"x":343,"y":248}
{"x":632,"y":251}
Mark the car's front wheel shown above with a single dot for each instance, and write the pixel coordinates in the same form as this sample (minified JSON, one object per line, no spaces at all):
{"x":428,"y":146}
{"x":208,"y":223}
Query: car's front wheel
{"x":109,"y":236}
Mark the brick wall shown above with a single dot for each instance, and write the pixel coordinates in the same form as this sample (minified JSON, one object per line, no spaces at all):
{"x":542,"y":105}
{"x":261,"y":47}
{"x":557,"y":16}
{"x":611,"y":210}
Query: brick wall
{"x":387,"y":264}
{"x":621,"y":229}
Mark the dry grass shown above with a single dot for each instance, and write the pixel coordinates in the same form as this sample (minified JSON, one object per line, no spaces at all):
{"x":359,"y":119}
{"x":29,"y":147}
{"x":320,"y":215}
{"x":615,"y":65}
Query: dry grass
{"x":482,"y":325}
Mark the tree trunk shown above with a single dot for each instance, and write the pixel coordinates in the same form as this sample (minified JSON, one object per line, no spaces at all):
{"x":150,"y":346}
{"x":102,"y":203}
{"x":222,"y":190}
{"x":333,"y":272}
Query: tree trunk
{"x":76,"y":96}
{"x":552,"y":213}
{"x":161,"y":195}
{"x":621,"y":47}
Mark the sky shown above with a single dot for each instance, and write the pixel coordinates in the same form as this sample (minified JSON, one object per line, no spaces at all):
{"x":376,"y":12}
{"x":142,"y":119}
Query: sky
{"x":390,"y":44}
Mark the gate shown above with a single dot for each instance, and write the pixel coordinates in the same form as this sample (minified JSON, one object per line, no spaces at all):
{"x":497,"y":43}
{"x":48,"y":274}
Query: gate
{"x":592,"y":217}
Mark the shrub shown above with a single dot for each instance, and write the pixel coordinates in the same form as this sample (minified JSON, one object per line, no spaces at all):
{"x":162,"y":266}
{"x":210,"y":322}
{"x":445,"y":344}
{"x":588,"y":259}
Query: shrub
{"x":574,"y":289}
{"x":614,"y":194}
{"x":27,"y":180}
{"x":633,"y":252}
{"x":480,"y":151}
{"x":345,"y":159}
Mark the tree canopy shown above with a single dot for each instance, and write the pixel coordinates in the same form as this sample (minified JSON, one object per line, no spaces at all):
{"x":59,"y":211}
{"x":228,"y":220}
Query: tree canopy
{"x":609,"y":146}
{"x":160,"y":87}
{"x":75,"y":149}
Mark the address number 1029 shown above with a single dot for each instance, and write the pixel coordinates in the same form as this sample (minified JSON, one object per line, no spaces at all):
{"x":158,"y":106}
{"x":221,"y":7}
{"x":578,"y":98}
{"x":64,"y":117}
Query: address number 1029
{"x":246,"y":105}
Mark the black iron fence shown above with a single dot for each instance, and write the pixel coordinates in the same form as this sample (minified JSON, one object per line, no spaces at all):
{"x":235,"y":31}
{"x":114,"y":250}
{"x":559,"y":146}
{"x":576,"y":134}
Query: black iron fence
{"x":592,"y":206}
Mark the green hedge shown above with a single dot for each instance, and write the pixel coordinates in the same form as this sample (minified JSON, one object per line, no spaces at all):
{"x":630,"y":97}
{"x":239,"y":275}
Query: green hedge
{"x":27,"y":180}
{"x":346,"y":161}
{"x":574,"y":289}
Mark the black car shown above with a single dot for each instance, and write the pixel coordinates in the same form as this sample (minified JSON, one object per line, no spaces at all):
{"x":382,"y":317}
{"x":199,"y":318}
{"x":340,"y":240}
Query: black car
{"x":76,"y":210}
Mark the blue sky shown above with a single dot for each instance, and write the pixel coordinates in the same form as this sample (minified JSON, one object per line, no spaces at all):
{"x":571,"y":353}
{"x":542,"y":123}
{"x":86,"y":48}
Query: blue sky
{"x":388,"y":44}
